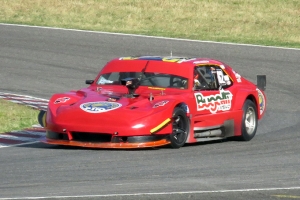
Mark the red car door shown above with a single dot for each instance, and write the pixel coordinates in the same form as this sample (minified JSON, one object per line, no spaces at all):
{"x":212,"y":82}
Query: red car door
{"x":213,"y":97}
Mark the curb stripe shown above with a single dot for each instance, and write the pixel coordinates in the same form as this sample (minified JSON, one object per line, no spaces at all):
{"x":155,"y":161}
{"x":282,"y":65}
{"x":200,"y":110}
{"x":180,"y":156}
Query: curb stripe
{"x":3,"y":145}
{"x":16,"y":145}
{"x":37,"y":103}
{"x":6,"y":95}
{"x":11,"y":137}
{"x":37,"y":133}
{"x":7,"y":142}
{"x":20,"y":134}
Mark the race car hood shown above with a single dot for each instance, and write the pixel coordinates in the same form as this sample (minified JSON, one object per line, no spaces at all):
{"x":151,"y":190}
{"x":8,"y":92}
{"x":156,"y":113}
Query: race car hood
{"x":106,"y":109}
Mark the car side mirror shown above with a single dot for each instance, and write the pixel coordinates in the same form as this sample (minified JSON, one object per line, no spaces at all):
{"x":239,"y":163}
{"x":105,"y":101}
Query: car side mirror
{"x":89,"y":82}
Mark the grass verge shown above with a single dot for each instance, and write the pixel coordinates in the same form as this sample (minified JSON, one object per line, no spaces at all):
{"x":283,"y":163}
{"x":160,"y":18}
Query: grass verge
{"x":16,"y":117}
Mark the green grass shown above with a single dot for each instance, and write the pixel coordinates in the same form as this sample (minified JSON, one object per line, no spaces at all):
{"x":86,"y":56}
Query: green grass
{"x":16,"y":117}
{"x":264,"y":22}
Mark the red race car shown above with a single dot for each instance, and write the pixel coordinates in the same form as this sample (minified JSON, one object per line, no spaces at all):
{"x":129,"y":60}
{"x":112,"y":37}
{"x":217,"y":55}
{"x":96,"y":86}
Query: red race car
{"x":150,"y":101}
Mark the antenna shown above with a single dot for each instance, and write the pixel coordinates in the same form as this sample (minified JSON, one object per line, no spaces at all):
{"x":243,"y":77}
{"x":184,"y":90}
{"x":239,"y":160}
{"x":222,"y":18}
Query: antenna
{"x":171,"y":54}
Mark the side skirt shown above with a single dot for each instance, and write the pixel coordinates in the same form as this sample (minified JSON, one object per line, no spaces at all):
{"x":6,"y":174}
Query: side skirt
{"x":216,"y":132}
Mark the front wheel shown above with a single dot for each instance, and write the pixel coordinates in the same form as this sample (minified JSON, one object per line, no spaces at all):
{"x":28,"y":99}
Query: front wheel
{"x":42,"y":118}
{"x":249,"y":121}
{"x":180,"y":125}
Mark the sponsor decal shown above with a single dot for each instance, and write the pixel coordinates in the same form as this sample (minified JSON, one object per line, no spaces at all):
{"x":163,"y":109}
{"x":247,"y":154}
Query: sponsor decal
{"x":99,"y":107}
{"x":170,"y":59}
{"x":177,"y":59}
{"x":111,"y":99}
{"x":161,"y":103}
{"x":237,"y":76}
{"x":186,"y":60}
{"x":200,"y":62}
{"x":262,"y":101}
{"x":127,"y":58}
{"x":99,"y":89}
{"x":214,"y":103}
{"x":61,"y":100}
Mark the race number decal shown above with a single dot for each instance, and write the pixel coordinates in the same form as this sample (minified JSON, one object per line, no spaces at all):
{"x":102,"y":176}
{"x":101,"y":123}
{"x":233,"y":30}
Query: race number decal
{"x":214,"y":103}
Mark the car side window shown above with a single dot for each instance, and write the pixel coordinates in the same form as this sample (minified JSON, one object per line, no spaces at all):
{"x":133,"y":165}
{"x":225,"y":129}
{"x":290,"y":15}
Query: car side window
{"x":204,"y":78}
{"x":223,"y":80}
{"x":210,"y":77}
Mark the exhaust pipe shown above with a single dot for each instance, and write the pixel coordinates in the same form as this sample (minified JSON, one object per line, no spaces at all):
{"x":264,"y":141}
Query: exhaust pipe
{"x":209,"y":133}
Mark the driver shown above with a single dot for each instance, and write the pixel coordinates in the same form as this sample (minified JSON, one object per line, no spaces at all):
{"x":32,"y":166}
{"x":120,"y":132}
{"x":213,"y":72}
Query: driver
{"x":198,"y":79}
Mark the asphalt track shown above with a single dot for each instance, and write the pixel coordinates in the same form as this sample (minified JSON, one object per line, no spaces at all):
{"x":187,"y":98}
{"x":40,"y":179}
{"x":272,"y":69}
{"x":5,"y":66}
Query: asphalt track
{"x":40,"y":62}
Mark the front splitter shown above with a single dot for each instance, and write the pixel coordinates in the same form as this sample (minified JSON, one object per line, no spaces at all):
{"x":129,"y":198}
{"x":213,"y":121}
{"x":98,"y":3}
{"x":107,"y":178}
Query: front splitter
{"x":107,"y":145}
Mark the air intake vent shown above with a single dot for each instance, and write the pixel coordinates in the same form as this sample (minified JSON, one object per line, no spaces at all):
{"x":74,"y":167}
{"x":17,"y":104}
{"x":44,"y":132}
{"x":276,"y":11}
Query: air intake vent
{"x":91,"y":137}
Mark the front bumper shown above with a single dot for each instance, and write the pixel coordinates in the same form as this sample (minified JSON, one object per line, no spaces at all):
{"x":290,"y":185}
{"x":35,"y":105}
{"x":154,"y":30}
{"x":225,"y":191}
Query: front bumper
{"x":106,"y":141}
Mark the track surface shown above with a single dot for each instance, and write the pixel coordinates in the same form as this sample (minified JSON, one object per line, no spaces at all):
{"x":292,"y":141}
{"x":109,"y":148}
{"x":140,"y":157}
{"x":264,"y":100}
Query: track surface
{"x":39,"y":62}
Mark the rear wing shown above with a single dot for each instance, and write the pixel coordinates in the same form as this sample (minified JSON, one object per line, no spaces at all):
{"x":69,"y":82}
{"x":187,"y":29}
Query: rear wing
{"x":261,"y":82}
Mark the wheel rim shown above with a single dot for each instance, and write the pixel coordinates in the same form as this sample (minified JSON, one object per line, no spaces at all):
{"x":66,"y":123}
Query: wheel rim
{"x":250,"y":122}
{"x":179,"y":132}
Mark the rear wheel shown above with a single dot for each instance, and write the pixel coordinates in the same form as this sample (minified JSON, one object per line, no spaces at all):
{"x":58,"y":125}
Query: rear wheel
{"x":181,"y":127}
{"x":249,"y":121}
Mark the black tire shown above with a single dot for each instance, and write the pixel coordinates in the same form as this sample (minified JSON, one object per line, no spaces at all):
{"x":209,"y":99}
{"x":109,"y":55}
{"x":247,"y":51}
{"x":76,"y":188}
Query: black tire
{"x":41,"y":116}
{"x":181,"y":127}
{"x":249,"y":121}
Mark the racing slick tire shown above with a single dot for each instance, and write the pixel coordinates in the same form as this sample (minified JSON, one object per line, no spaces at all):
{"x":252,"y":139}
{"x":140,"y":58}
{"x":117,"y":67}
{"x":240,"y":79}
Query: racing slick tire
{"x":41,"y":118}
{"x":249,"y":121}
{"x":181,"y":126}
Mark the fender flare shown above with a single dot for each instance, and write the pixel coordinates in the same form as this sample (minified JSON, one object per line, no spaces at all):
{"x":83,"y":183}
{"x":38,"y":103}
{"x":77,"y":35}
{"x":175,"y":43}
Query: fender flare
{"x":243,"y":95}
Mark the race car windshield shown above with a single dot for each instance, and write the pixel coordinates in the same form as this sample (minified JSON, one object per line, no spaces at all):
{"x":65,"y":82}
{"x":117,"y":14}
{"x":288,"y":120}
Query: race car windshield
{"x":146,"y":79}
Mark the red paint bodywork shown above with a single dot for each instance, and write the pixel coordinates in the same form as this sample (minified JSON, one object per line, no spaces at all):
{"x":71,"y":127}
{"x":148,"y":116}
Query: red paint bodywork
{"x":137,"y":116}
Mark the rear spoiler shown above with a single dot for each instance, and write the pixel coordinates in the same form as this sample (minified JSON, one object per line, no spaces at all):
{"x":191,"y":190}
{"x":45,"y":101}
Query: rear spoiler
{"x":261,"y":82}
